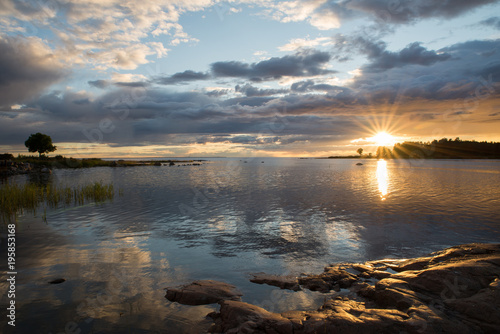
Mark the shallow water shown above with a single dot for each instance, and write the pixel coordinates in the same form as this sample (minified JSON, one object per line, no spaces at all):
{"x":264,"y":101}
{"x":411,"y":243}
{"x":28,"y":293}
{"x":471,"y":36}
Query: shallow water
{"x":229,"y":218}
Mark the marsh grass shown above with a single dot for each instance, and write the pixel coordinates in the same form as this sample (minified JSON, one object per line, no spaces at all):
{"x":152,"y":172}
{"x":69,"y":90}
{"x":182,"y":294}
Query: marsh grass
{"x":29,"y":197}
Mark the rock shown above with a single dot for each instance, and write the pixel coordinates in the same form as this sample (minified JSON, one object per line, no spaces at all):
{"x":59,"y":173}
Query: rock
{"x":282,"y":282}
{"x":456,"y":290}
{"x":359,"y":164}
{"x":57,"y":281}
{"x":203,"y":292}
{"x":240,"y":317}
{"x":333,"y":275}
{"x":45,"y":170}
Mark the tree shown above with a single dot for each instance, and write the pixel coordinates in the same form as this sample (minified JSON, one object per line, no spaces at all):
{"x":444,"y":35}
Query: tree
{"x":40,"y":143}
{"x":360,"y":151}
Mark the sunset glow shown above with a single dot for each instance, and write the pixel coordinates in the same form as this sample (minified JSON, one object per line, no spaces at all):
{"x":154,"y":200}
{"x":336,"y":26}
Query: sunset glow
{"x":383,"y":139}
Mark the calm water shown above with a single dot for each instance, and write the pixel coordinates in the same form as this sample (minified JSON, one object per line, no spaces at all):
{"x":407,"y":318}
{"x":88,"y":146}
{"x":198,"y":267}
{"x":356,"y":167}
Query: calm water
{"x":226,"y":219}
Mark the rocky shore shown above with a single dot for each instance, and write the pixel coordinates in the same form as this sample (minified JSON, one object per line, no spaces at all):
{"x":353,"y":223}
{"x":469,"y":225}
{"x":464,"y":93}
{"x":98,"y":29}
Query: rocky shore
{"x":456,"y":290}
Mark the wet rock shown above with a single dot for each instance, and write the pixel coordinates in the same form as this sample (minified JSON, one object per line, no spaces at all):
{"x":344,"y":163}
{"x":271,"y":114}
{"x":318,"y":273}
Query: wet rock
{"x":57,"y":281}
{"x":315,"y":283}
{"x":282,"y":282}
{"x":203,"y":292}
{"x":332,"y":276}
{"x":240,"y":317}
{"x":456,"y":290}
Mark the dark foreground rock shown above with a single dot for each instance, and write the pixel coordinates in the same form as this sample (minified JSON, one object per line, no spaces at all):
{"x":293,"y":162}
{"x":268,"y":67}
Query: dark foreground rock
{"x":203,"y":292}
{"x":282,"y":282}
{"x":456,"y":290}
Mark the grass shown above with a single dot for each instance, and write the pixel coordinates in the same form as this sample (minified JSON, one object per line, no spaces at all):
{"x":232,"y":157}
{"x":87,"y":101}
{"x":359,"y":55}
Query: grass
{"x":29,"y":197}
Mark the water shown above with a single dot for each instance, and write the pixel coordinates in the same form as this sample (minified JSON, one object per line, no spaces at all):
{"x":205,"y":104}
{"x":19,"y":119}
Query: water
{"x":227,"y":219}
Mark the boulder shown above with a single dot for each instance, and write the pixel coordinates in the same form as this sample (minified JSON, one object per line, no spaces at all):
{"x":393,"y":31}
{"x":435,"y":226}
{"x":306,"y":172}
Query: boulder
{"x":203,"y":292}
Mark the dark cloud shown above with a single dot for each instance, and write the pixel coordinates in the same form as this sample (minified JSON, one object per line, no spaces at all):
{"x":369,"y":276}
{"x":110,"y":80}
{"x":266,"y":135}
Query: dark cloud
{"x":492,"y":22}
{"x":218,"y":92}
{"x":239,"y":139}
{"x":411,"y":11}
{"x":134,"y":84}
{"x":301,"y":64}
{"x":413,"y":54}
{"x":250,"y":91}
{"x":309,"y":85}
{"x":470,"y":68}
{"x":381,"y":59}
{"x":27,"y":68}
{"x":252,"y":101}
{"x":102,"y":84}
{"x":181,"y":77}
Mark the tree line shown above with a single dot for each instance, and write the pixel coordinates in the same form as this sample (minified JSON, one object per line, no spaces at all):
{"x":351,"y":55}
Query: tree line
{"x":442,"y":149}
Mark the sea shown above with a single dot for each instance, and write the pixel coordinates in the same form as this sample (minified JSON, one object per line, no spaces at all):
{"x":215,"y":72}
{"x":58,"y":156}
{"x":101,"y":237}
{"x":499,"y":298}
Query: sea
{"x":225,"y":220}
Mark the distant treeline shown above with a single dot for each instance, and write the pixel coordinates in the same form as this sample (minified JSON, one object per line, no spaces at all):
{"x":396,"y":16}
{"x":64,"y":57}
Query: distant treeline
{"x":442,"y":149}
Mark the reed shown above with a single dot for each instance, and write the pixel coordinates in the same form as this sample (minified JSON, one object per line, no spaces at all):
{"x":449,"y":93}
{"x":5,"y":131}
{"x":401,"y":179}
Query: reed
{"x":16,"y":199}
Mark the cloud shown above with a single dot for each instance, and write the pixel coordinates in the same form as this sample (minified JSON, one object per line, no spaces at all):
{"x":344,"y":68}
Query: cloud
{"x":27,"y":68}
{"x":468,"y":68}
{"x":125,"y":58}
{"x":381,"y":59}
{"x":330,"y":14}
{"x":250,"y":91}
{"x":492,"y":22}
{"x":132,"y":84}
{"x":413,"y":54}
{"x":309,"y":85}
{"x":405,"y":11}
{"x":301,"y":64}
{"x":181,"y":77}
{"x":217,"y":92}
{"x":302,"y":43}
{"x":104,"y":34}
{"x":101,"y":84}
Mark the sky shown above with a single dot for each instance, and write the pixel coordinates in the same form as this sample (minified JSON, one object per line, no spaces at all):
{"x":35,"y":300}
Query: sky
{"x":206,"y":78}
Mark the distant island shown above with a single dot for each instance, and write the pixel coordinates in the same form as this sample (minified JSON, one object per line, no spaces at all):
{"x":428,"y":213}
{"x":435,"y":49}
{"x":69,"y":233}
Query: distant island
{"x":437,"y":149}
{"x":22,"y":164}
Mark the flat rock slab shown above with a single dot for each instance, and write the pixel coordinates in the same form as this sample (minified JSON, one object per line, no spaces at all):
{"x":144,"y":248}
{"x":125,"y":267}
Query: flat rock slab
{"x":456,"y":290}
{"x":203,"y":292}
{"x":282,"y":282}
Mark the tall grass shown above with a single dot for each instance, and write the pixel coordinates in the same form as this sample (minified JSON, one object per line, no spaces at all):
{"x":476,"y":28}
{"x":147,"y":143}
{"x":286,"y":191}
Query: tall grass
{"x":16,"y":199}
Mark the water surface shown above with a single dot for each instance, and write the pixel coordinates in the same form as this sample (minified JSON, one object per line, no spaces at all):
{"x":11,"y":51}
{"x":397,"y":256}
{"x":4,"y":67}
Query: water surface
{"x":229,"y":218}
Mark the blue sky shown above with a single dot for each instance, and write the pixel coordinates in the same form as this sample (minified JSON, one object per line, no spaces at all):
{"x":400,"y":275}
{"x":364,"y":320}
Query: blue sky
{"x":246,"y":78}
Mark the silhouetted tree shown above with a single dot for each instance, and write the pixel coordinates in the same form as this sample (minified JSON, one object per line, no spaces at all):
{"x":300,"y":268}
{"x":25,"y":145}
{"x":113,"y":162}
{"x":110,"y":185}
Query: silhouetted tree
{"x":40,"y":143}
{"x":360,"y":151}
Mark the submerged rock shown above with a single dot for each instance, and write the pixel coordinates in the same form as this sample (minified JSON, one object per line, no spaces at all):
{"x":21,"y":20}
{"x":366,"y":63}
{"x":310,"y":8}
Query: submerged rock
{"x":282,"y":282}
{"x":203,"y":292}
{"x":456,"y":290}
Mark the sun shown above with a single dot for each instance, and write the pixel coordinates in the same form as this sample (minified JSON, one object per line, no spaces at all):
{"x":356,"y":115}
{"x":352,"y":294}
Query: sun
{"x":383,"y":139}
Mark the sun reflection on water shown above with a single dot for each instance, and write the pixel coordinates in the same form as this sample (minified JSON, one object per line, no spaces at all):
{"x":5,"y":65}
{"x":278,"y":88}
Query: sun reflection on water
{"x":382,"y":178}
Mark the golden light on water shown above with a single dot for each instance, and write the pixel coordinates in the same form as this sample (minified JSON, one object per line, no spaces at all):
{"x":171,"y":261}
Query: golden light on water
{"x":382,"y":178}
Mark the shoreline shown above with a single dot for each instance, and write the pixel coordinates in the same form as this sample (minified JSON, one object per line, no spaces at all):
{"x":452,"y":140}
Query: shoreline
{"x":30,"y":165}
{"x":455,"y":290}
